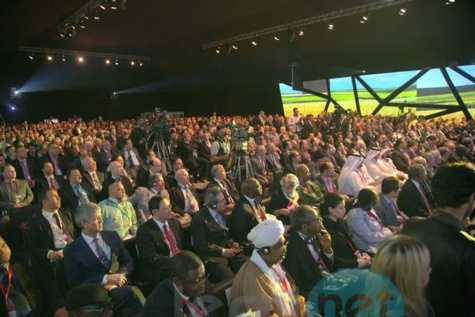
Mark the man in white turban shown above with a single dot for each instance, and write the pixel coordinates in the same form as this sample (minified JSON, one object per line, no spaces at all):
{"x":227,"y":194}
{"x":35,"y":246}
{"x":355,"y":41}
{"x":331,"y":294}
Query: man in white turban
{"x":354,"y":176}
{"x":262,"y":284}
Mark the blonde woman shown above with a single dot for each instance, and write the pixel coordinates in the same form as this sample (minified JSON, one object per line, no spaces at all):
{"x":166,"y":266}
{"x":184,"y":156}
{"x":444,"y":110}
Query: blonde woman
{"x":406,"y":262}
{"x":284,"y":201}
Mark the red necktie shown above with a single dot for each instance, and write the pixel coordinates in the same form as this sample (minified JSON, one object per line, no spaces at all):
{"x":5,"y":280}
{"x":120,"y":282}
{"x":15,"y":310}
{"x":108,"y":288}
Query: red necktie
{"x":171,"y":242}
{"x":60,"y":225}
{"x":398,"y":214}
{"x":425,"y":199}
{"x":51,"y":183}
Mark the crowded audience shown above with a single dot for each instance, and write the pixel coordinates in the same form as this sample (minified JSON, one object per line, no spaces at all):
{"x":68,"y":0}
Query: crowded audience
{"x":263,"y":206}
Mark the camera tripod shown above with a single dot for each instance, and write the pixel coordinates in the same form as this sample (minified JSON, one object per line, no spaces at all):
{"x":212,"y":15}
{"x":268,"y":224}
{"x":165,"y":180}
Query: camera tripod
{"x":242,"y":156}
{"x":163,"y":153}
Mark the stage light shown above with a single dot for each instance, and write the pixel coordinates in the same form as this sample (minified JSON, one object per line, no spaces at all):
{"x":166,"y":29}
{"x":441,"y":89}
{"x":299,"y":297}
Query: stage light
{"x":364,"y":18}
{"x":331,"y":26}
{"x":235,"y":46}
{"x":96,"y":15}
{"x":116,"y":62}
{"x":132,"y":63}
{"x":14,"y":94}
{"x":49,"y":58}
{"x":402,"y":11}
{"x":218,"y":50}
{"x":31,"y":56}
{"x":277,"y":37}
{"x":140,"y":64}
{"x":301,"y":32}
{"x":12,"y":108}
{"x":108,"y":61}
{"x":80,"y":59}
{"x":63,"y":59}
{"x":102,"y":7}
{"x":254,"y":42}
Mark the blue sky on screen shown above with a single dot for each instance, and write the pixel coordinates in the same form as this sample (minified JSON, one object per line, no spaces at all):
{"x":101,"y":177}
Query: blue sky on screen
{"x":284,"y":90}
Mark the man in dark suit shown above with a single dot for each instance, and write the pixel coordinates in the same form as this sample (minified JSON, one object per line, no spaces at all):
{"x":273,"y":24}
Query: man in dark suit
{"x":46,"y":179}
{"x":158,"y":241}
{"x":143,"y":176}
{"x":309,"y":126}
{"x":54,"y":158}
{"x":181,"y":295}
{"x":188,"y":151}
{"x":273,"y":158}
{"x":184,"y":198}
{"x":25,"y":167}
{"x":400,"y":158}
{"x":47,"y":234}
{"x":412,"y":199}
{"x":295,"y":160}
{"x":100,"y":257}
{"x":103,"y":157}
{"x":451,"y":287}
{"x":247,"y":212}
{"x":259,"y":166}
{"x":76,"y":192}
{"x":116,"y":175}
{"x":325,"y":180}
{"x":80,"y":160}
{"x":211,"y":239}
{"x":385,"y":208}
{"x":177,"y":164}
{"x":218,"y":179}
{"x":204,"y":150}
{"x":131,"y":157}
{"x":307,"y":267}
{"x":92,"y":177}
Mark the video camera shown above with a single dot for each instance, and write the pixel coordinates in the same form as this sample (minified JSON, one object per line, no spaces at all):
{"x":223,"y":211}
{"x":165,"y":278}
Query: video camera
{"x":158,"y":121}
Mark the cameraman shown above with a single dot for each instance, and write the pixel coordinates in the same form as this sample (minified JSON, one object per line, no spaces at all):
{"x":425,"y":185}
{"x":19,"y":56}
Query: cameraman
{"x":220,"y":149}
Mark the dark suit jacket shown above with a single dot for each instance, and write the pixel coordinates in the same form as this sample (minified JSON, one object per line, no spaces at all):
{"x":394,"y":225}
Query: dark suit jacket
{"x":301,"y":265}
{"x":31,"y":165}
{"x":103,"y":161}
{"x":143,"y":176}
{"x":257,"y":168}
{"x":342,"y":244}
{"x":86,"y":178}
{"x":411,"y":202}
{"x":400,"y":160}
{"x":279,"y":201}
{"x":178,"y":200}
{"x":164,"y":301}
{"x":243,"y":220}
{"x":386,"y":213}
{"x":451,"y":288}
{"x":154,"y":253}
{"x":185,"y":151}
{"x":271,"y":164}
{"x":47,"y":158}
{"x":229,"y":187}
{"x":69,"y":198}
{"x":82,"y":266}
{"x":204,"y":151}
{"x":209,"y":238}
{"x":137,"y":155}
{"x":42,"y":185}
{"x":321,"y":183}
{"x":40,"y":240}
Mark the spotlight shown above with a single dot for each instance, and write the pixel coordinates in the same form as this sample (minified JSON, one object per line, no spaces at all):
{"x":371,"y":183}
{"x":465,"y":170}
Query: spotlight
{"x":96,"y":15}
{"x":12,"y":108}
{"x":63,"y":59}
{"x":449,"y":2}
{"x":80,"y":59}
{"x":116,"y":62}
{"x":86,"y":17}
{"x":114,"y":95}
{"x":14,"y":94}
{"x":365,"y":18}
{"x":301,"y":32}
{"x":402,"y":11}
{"x":132,"y":63}
{"x":331,"y":26}
{"x":102,"y":7}
{"x":235,"y":46}
{"x":254,"y":42}
{"x":218,"y":50}
{"x":113,"y":7}
{"x":140,"y":64}
{"x":108,"y":61}
{"x":49,"y":58}
{"x":31,"y":56}
{"x":277,"y":37}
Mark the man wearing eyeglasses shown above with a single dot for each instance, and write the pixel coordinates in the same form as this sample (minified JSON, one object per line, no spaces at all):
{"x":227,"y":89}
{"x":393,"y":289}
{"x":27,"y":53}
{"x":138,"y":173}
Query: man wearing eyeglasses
{"x":262,"y":283}
{"x":185,"y":293}
{"x":309,"y":253}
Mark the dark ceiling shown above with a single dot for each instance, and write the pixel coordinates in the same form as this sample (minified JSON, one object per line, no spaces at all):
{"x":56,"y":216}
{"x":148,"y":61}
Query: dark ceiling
{"x":171,"y":33}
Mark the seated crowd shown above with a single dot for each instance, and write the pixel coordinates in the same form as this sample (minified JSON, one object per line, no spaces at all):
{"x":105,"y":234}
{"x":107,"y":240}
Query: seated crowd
{"x":90,"y":203}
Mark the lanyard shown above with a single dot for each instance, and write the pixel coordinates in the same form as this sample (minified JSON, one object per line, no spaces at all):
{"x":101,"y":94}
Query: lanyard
{"x":11,"y":188}
{"x":374,"y":217}
{"x":9,"y":277}
{"x":195,"y":308}
{"x":283,"y":281}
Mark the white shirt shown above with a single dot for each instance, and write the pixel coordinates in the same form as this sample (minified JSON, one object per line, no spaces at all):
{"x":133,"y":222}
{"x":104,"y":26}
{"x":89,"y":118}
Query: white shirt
{"x":160,"y":225}
{"x":58,"y":235}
